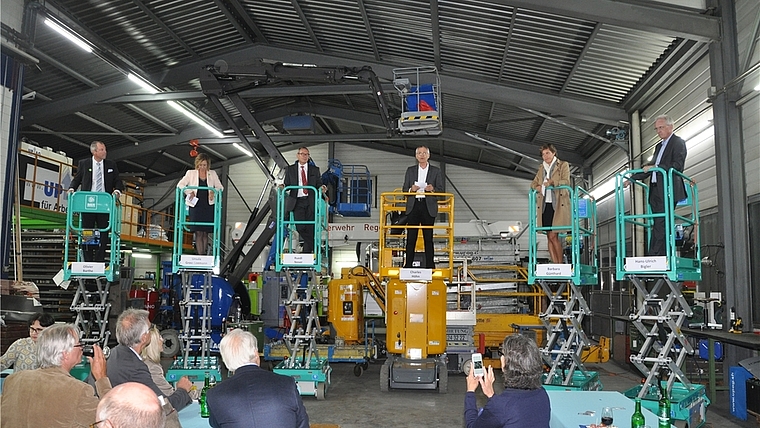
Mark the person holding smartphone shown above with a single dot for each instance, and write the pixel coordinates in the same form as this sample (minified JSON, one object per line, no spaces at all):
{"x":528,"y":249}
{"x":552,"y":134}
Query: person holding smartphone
{"x":523,"y":403}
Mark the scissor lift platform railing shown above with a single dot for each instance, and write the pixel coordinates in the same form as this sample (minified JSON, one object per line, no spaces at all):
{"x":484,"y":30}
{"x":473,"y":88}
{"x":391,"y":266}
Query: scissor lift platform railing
{"x":392,"y":246}
{"x":661,"y":311}
{"x":197,"y":296}
{"x":92,"y":278}
{"x":305,"y":365}
{"x":563,"y":318}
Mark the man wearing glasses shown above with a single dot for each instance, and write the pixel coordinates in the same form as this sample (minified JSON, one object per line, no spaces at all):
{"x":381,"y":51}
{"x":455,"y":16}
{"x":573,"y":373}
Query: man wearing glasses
{"x":49,"y":396}
{"x":669,"y":153}
{"x":301,"y":201}
{"x":22,"y":354}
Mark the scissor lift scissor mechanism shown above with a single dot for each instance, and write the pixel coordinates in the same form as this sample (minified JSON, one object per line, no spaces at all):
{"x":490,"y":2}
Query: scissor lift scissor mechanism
{"x":92,"y":279}
{"x":561,"y":282}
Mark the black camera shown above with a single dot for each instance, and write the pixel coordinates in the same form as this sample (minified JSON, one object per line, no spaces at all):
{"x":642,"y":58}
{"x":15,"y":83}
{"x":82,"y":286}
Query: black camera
{"x":88,"y":351}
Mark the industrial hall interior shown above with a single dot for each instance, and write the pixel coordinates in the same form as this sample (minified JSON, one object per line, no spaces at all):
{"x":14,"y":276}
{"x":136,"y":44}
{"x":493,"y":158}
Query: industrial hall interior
{"x":392,"y":213}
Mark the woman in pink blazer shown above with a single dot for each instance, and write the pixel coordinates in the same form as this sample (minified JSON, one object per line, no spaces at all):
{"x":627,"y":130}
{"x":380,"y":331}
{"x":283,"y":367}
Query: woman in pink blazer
{"x":203,"y":211}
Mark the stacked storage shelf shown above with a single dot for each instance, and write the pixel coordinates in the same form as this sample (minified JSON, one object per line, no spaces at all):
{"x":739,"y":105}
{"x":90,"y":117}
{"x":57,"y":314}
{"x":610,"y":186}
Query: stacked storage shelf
{"x":42,"y":257}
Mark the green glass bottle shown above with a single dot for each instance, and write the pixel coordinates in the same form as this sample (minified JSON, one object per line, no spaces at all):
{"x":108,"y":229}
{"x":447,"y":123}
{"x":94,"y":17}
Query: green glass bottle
{"x":202,"y":399}
{"x":637,"y":419}
{"x":663,"y":409}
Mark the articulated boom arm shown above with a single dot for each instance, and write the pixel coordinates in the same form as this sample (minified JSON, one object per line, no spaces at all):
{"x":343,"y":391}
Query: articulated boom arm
{"x":224,"y":81}
{"x":232,"y":79}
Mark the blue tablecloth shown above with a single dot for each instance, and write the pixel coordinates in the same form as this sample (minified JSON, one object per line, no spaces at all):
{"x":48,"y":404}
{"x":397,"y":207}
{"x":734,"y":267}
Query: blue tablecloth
{"x":190,"y":417}
{"x":572,"y":409}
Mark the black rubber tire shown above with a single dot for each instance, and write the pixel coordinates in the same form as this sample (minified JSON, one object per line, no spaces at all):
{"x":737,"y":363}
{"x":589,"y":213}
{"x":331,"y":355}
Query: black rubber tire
{"x":321,"y":391}
{"x":385,"y":379}
{"x":358,"y":370}
{"x":443,"y":379}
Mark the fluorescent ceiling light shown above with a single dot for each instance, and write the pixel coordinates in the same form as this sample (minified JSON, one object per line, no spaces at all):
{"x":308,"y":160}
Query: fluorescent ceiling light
{"x":196,"y":118}
{"x":69,"y":35}
{"x":243,"y":149}
{"x":143,"y":83}
{"x":603,"y":189}
{"x":142,"y":255}
{"x":757,"y":88}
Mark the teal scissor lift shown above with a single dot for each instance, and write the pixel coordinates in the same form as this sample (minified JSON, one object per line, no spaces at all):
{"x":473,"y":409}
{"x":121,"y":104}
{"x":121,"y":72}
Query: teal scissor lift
{"x":306,"y":366}
{"x":91,"y":306}
{"x":567,"y":307}
{"x":197,"y":296}
{"x":659,"y":319}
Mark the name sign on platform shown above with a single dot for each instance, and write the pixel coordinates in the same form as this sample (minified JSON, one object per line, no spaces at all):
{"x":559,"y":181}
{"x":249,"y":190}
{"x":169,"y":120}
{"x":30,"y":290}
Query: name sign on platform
{"x":88,"y":267}
{"x":195,"y":260}
{"x":411,"y":274}
{"x":306,"y":259}
{"x":551,"y":269}
{"x":646,"y":263}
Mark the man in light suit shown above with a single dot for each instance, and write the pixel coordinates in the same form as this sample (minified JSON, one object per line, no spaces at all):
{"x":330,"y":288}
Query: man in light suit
{"x":301,"y":201}
{"x":88,"y":172}
{"x":253,"y":397}
{"x":126,"y":365}
{"x":421,"y":209}
{"x":49,"y":396}
{"x":669,"y":153}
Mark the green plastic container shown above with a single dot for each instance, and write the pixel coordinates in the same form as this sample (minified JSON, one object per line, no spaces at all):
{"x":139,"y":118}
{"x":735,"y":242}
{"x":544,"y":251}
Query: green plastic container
{"x":685,"y":405}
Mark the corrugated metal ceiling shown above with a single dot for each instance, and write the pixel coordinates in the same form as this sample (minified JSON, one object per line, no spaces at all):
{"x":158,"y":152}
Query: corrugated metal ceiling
{"x":499,"y":62}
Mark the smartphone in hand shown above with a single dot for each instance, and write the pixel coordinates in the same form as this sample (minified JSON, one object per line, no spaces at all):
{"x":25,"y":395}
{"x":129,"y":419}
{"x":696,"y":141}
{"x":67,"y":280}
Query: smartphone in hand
{"x":477,"y":365}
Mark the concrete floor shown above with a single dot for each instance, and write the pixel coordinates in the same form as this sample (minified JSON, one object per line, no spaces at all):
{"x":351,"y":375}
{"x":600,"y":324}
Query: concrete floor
{"x":357,"y":402}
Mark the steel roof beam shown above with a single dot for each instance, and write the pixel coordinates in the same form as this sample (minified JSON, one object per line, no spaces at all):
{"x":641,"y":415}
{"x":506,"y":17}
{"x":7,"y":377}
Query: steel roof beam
{"x":646,"y":17}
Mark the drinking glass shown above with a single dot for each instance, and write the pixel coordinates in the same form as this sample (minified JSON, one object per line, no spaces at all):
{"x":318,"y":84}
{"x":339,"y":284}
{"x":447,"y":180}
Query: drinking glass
{"x":607,"y":416}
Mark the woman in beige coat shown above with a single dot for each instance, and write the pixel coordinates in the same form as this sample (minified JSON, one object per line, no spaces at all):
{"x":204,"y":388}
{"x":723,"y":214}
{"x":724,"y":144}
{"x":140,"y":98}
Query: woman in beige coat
{"x":203,"y":211}
{"x":552,"y":205}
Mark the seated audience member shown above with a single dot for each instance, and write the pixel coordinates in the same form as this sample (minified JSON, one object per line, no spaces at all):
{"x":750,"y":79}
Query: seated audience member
{"x":151,"y":355}
{"x":49,"y":396}
{"x":524,"y":402}
{"x":126,"y":365}
{"x":22,"y":354}
{"x":253,"y":397}
{"x":130,"y":405}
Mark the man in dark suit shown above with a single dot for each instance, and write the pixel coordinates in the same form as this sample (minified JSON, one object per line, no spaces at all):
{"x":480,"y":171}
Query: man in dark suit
{"x":669,"y":153}
{"x":421,"y":210}
{"x":253,"y":397}
{"x":301,"y":201}
{"x":98,"y":175}
{"x":126,"y":365}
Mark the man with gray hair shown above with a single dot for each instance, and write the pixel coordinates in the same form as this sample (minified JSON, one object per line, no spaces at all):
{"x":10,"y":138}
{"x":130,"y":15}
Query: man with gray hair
{"x":50,"y":396}
{"x":126,"y":365}
{"x":253,"y":397}
{"x":130,"y":405}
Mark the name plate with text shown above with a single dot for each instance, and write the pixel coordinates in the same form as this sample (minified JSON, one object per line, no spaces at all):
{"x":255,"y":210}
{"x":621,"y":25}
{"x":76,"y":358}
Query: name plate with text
{"x":411,"y":274}
{"x":306,"y":259}
{"x":646,"y":263}
{"x":88,"y":267}
{"x":196,"y":260}
{"x":551,"y":269}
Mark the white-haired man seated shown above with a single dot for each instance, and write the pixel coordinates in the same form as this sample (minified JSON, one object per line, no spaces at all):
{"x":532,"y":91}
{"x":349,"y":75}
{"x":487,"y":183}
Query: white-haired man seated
{"x":49,"y":396}
{"x":253,"y":397}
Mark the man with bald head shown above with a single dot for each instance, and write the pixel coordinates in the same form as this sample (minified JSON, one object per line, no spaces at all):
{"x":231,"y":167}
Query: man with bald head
{"x":130,"y":405}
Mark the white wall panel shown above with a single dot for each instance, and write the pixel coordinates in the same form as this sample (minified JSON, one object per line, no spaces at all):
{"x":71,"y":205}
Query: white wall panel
{"x":751,"y":135}
{"x":747,"y":12}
